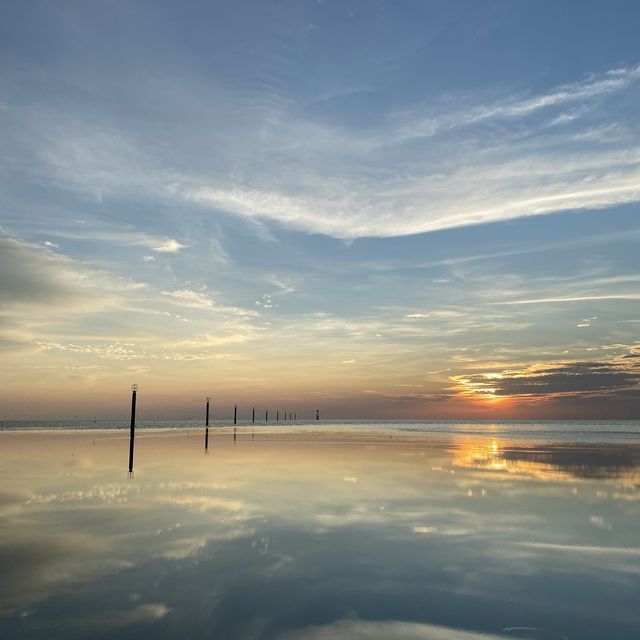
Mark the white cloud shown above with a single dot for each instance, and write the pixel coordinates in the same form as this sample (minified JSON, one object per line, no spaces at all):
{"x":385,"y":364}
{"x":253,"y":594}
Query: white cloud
{"x":188,"y":298}
{"x":123,"y":237}
{"x":560,"y":299}
{"x":613,"y":81}
{"x":50,"y":303}
{"x":36,"y":277}
{"x":199,"y":300}
{"x":410,"y":173}
{"x":509,"y":180}
{"x":115,"y":351}
{"x":163,"y":245}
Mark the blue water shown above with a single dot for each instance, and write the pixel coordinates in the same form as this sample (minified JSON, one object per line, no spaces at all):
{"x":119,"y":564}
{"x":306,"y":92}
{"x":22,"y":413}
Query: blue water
{"x":565,"y":431}
{"x":359,"y":530}
{"x":378,"y":532}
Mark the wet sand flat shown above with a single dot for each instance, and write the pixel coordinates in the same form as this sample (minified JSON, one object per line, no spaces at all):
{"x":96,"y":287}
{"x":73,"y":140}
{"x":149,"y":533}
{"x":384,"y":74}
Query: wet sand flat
{"x":316,"y":533}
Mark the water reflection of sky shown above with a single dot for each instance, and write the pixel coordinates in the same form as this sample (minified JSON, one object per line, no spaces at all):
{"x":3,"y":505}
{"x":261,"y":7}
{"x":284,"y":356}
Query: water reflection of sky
{"x":289,"y":539}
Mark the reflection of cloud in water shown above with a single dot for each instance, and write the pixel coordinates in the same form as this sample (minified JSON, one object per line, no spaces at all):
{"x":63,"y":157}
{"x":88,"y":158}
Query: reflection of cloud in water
{"x":367,"y":630}
{"x":588,"y":549}
{"x":271,"y":540}
{"x":202,"y":503}
{"x":148,"y":612}
{"x":36,"y":565}
{"x":109,"y":493}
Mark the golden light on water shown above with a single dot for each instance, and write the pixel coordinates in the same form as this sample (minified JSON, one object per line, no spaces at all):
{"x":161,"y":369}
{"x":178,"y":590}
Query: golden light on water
{"x":540,"y":462}
{"x":493,"y":456}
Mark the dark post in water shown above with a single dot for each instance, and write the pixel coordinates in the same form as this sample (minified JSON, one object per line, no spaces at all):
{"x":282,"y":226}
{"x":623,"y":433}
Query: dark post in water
{"x":235,"y":414}
{"x":132,"y":431}
{"x":266,"y":415}
{"x":206,"y":432}
{"x":277,"y":415}
{"x":253,"y":415}
{"x":317,"y":414}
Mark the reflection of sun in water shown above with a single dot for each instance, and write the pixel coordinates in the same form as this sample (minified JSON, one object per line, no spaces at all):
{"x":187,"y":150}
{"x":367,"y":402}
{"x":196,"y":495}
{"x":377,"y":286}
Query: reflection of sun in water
{"x":480,"y":454}
{"x":494,"y":455}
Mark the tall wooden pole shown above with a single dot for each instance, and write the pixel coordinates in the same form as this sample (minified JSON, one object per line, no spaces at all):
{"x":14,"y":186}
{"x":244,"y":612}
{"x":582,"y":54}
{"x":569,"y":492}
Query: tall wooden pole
{"x":266,"y":415}
{"x":206,"y":432}
{"x":253,"y":415}
{"x":235,"y":414}
{"x":132,"y":430}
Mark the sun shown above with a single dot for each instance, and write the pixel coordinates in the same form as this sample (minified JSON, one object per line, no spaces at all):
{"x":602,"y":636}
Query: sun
{"x":481,"y":387}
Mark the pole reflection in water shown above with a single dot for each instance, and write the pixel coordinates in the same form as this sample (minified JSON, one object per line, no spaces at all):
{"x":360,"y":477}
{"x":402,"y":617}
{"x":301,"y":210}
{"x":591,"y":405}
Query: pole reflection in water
{"x":468,"y":538}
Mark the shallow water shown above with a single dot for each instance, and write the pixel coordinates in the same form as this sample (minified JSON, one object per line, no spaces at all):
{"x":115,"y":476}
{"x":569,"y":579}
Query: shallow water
{"x":554,"y":431}
{"x":332,"y":532}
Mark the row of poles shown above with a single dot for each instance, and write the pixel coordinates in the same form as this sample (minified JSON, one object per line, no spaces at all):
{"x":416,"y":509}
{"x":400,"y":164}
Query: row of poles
{"x":132,"y":430}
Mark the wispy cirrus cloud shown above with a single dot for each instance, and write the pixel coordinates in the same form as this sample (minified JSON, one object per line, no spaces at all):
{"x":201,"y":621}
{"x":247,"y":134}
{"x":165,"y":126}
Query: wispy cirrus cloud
{"x":467,"y":172}
{"x":560,"y":299}
{"x":122,"y":237}
{"x":593,"y":88}
{"x":431,"y":167}
{"x":202,"y":300}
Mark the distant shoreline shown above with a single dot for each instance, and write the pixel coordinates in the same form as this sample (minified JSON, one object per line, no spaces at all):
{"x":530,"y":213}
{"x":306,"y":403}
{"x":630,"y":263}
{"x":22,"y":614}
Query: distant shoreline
{"x":529,"y":433}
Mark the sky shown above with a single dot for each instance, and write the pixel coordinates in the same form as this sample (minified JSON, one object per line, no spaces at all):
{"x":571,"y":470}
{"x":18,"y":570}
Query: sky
{"x":403,"y":210}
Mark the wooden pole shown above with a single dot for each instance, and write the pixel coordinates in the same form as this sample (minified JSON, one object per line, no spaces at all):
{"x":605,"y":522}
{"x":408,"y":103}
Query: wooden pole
{"x":132,"y":429}
{"x":206,"y":432}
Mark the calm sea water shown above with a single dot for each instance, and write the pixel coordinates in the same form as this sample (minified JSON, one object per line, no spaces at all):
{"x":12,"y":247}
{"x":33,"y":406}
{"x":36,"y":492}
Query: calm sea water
{"x":338,"y":531}
{"x":622,"y":431}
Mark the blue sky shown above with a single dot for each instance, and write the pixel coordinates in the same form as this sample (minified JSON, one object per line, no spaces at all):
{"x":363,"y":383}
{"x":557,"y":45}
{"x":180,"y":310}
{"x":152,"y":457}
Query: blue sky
{"x":388,"y":209}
